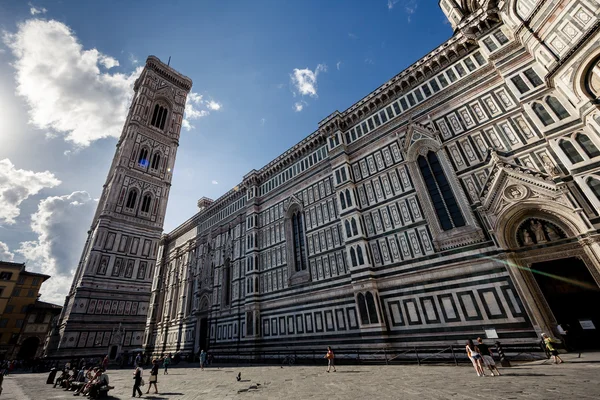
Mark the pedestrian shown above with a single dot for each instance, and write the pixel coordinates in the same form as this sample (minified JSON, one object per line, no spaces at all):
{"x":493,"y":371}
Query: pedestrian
{"x":153,"y":377}
{"x":202,"y":359}
{"x":548,"y":341}
{"x":137,"y":381}
{"x":475,"y":357}
{"x":138,"y":360}
{"x":166,"y":363}
{"x":330,"y":358}
{"x":105,"y":363}
{"x":488,"y":356}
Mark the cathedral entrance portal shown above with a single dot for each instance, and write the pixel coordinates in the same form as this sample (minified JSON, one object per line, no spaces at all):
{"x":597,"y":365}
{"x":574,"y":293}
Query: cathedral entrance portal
{"x":203,"y":336}
{"x":573,"y":297}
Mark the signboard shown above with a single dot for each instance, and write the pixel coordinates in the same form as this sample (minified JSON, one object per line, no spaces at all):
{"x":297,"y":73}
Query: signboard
{"x":491,"y":333}
{"x":587,"y":324}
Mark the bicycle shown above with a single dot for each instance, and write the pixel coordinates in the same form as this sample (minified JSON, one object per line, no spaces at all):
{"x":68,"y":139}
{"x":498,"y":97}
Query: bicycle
{"x":289,"y":360}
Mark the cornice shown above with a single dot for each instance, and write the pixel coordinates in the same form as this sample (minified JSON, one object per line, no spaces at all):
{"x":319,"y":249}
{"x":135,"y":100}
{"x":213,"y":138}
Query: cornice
{"x":165,"y":71}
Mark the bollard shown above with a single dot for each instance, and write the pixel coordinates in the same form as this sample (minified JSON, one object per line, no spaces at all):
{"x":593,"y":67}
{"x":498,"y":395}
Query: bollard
{"x":503,"y":360}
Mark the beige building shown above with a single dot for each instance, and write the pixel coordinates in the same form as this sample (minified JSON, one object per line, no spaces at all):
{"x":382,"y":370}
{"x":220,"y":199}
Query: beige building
{"x":21,"y":310}
{"x":462,"y":195}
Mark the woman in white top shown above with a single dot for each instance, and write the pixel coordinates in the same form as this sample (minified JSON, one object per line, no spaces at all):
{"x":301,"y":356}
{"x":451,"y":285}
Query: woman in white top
{"x":475,"y":357}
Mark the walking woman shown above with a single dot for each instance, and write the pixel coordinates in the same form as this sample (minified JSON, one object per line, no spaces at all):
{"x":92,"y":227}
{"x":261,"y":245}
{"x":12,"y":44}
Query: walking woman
{"x":202,"y":359}
{"x":548,"y":341}
{"x":137,"y":381}
{"x":166,"y":363}
{"x":475,"y":357}
{"x":153,"y":377}
{"x":330,"y":357}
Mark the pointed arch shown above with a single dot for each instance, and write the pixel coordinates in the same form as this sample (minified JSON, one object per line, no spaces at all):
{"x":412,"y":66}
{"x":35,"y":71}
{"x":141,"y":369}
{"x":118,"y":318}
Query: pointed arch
{"x":348,"y":198}
{"x":143,"y":157}
{"x":342,"y":201}
{"x":359,"y":253}
{"x":354,"y":227}
{"x":155,"y":164}
{"x":131,"y":199}
{"x":557,"y":107}
{"x":362,"y":309}
{"x":570,"y":151}
{"x":146,"y":201}
{"x":348,"y":230}
{"x":372,"y":308}
{"x":587,"y":145}
{"x":542,"y":114}
{"x":353,"y":257}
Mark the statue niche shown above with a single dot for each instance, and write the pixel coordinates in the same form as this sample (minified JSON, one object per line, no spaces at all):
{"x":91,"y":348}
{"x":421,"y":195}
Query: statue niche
{"x":534,"y":231}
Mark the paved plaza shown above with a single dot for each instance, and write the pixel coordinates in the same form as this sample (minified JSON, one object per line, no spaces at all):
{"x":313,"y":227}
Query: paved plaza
{"x":576,"y":379}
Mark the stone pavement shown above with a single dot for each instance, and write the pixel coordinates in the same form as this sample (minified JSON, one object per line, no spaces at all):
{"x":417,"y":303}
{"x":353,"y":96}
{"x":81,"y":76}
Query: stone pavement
{"x":578,"y":378}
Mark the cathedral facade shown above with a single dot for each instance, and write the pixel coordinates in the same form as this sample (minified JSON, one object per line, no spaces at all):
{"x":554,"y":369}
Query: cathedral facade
{"x":105,"y":310}
{"x":461,"y":196}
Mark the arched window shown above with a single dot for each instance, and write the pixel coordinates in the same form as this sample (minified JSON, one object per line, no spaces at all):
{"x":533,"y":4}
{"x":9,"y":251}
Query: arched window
{"x":159,"y":117}
{"x":557,"y":108}
{"x":299,"y":241}
{"x":131,"y":199}
{"x":354,"y":227}
{"x":256,"y":284}
{"x":593,"y":79}
{"x":348,"y":198}
{"x":342,"y":200}
{"x":587,"y":145}
{"x":155,"y":161}
{"x":353,"y":257}
{"x":372,"y":308}
{"x":570,"y":151}
{"x":362,"y":309}
{"x":542,"y":114}
{"x":347,"y":225}
{"x":146,"y":200}
{"x":594,"y":184}
{"x":143,"y":158}
{"x":440,"y":192}
{"x":227,"y":283}
{"x":359,"y":253}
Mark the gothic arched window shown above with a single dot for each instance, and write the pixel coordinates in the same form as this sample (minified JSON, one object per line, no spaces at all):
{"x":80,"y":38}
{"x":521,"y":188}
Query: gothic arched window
{"x":440,"y":192}
{"x":570,"y":151}
{"x":146,"y":200}
{"x":372,"y":308}
{"x":587,"y":145}
{"x":131,"y":199}
{"x":353,"y":257}
{"x":348,"y":198}
{"x":557,"y":107}
{"x":342,"y":200}
{"x":348,"y":231}
{"x":594,"y":185}
{"x":359,"y":253}
{"x":299,"y":241}
{"x":354,"y":227}
{"x":542,"y":114}
{"x":155,"y":161}
{"x":143,"y":158}
{"x":362,"y":309}
{"x":227,"y":284}
{"x":159,"y":117}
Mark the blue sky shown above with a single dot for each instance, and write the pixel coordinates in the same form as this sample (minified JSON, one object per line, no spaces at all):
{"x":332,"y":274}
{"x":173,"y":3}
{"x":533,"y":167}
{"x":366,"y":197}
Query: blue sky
{"x":265,"y":73}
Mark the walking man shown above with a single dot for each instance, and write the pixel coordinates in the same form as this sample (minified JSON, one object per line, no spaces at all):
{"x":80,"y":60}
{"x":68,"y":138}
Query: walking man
{"x":166,"y":363}
{"x":488,"y":356}
{"x":202,"y":359}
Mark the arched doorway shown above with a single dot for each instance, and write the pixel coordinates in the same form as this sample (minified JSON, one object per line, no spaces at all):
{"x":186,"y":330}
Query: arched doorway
{"x":28,"y":348}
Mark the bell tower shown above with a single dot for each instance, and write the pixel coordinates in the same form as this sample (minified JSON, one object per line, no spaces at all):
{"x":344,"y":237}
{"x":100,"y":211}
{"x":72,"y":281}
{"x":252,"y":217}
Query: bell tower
{"x":105,"y":310}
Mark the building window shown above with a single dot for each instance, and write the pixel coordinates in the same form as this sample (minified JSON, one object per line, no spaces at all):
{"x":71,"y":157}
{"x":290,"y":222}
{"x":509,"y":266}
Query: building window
{"x":31,"y":293}
{"x":586,"y":144}
{"x":143,"y":158}
{"x":354,"y":227}
{"x":594,"y":185}
{"x":570,"y":151}
{"x":367,"y":308}
{"x":501,"y":37}
{"x":359,"y":254}
{"x":489,"y":43}
{"x":146,"y":203}
{"x":440,"y":193}
{"x":542,"y":114}
{"x":5,"y":276}
{"x":348,"y":231}
{"x":520,"y":84}
{"x":155,"y":161}
{"x":19,"y":323}
{"x":362,"y":309}
{"x":533,"y":77}
{"x":342,"y":201}
{"x":36,"y":281}
{"x":131,"y":199}
{"x":3,"y":322}
{"x":9,"y":309}
{"x":16,"y":292}
{"x":353,"y":257}
{"x":348,"y":198}
{"x":557,"y":108}
{"x":159,"y":116}
{"x":227,"y":283}
{"x":299,"y":241}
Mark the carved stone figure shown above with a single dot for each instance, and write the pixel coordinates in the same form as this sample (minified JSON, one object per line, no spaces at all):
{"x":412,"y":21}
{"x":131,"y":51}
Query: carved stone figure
{"x":552,"y":234}
{"x":527,"y":241}
{"x":538,"y":231}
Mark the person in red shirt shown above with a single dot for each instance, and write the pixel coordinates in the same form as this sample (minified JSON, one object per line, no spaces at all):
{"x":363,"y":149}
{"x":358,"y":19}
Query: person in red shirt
{"x":330,"y":357}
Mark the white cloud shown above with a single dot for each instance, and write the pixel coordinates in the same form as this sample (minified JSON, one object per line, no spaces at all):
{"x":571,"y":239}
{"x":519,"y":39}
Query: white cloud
{"x":63,"y":85}
{"x":391,"y":4}
{"x":16,"y":185}
{"x":214,"y":182}
{"x":5,"y":255}
{"x":133,"y":59}
{"x":299,"y":106}
{"x":36,"y":10}
{"x":61,"y":223}
{"x":352,"y":35}
{"x":305,"y":80}
{"x":369,"y":61}
{"x":263,"y":121}
{"x":195,"y":108}
{"x":338,"y":65}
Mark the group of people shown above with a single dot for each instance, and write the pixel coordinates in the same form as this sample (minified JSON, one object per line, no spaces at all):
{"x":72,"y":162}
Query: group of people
{"x":86,"y":381}
{"x":481,"y":355}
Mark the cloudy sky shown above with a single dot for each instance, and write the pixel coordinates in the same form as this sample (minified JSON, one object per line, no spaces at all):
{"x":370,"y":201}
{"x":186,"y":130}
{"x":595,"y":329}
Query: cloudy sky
{"x":265,"y":72}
